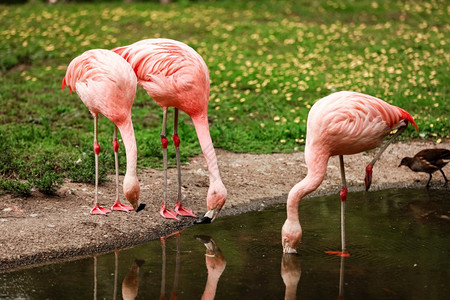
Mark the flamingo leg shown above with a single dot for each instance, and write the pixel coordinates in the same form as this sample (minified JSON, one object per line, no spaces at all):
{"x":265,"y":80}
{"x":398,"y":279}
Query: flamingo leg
{"x":343,"y":196}
{"x":368,"y":178}
{"x":97,"y":209}
{"x":117,"y":204}
{"x":429,"y":180}
{"x":176,"y":141}
{"x":443,"y":174}
{"x":164,"y":212}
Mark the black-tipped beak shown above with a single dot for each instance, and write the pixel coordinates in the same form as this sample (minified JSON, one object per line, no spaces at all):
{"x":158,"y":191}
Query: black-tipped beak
{"x":141,"y":207}
{"x":203,"y":220}
{"x":207,"y":218}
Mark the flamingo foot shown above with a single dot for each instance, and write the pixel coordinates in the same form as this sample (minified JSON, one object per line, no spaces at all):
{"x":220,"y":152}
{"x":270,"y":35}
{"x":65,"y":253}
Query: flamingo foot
{"x":186,"y":212}
{"x":121,"y":207}
{"x":338,"y":253}
{"x":167,"y":213}
{"x":98,"y":210}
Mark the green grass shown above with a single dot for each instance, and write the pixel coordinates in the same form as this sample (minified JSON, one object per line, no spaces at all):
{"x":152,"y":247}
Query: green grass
{"x":269,"y":61}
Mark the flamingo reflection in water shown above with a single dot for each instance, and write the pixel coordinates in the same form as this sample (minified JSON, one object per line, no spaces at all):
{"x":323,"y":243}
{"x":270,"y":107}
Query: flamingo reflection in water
{"x":215,"y":263}
{"x":214,"y":260}
{"x":291,"y":272}
{"x":130,"y":284}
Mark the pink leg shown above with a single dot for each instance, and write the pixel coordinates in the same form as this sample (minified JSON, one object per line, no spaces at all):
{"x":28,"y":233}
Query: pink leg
{"x":176,"y":141}
{"x":97,"y":210}
{"x":117,"y":204}
{"x":164,"y":212}
{"x":343,"y":195}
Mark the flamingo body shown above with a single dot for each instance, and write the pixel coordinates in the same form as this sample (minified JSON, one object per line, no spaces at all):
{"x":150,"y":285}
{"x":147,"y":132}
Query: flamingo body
{"x":342,"y":123}
{"x":175,"y":75}
{"x":106,"y":84}
{"x":346,"y":123}
{"x":171,"y":72}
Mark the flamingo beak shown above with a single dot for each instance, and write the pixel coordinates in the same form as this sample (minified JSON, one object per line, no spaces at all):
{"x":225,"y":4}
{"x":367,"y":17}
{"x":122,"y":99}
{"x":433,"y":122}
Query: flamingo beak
{"x":139,"y":208}
{"x":288,"y":249}
{"x":209,"y":216}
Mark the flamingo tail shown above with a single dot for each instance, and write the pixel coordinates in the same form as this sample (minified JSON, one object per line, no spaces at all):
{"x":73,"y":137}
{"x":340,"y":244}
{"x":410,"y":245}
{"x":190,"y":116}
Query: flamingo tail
{"x":64,"y":85}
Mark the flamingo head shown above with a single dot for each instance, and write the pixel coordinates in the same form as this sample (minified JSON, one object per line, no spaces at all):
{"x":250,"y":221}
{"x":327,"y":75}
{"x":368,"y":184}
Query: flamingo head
{"x":131,"y":190}
{"x":291,"y":235}
{"x":217,"y":195}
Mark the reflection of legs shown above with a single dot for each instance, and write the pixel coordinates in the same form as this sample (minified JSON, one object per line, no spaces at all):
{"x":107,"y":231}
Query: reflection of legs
{"x":368,"y":178}
{"x":163,"y":271}
{"x":341,"y":279}
{"x":174,"y":294}
{"x":95,"y":277}
{"x":117,"y":205}
{"x":166,"y":213}
{"x":176,"y":141}
{"x":116,"y":272}
{"x":97,"y":210}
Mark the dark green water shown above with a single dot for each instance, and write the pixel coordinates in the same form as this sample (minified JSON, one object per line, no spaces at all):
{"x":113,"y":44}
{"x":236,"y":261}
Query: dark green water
{"x":399,"y":241}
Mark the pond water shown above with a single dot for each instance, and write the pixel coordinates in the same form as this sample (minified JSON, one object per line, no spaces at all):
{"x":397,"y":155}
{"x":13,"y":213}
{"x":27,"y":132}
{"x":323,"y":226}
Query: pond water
{"x":399,"y":241}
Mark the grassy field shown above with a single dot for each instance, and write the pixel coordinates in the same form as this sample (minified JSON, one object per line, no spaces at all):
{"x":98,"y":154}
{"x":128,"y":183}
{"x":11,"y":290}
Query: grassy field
{"x":269,"y":61}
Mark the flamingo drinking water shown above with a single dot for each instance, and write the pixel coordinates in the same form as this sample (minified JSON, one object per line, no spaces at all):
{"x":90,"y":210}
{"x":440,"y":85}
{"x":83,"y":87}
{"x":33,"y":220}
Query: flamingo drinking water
{"x":106,"y":84}
{"x":175,"y":75}
{"x":342,"y":123}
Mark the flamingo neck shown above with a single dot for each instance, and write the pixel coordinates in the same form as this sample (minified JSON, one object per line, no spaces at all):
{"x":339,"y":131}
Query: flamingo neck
{"x":204,"y":137}
{"x":129,"y":142}
{"x":317,"y":169}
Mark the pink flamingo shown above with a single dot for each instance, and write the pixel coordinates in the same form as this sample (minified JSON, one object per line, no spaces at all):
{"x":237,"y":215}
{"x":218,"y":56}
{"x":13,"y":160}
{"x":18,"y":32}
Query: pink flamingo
{"x":342,"y":123}
{"x":174,"y":75}
{"x":106,"y":84}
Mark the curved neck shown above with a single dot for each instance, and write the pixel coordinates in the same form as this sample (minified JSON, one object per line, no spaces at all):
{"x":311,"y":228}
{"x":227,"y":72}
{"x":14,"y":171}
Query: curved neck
{"x":317,"y":169}
{"x":129,"y":141}
{"x":204,"y":137}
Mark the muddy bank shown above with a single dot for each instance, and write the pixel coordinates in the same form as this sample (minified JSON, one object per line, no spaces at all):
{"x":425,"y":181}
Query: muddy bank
{"x":42,"y":229}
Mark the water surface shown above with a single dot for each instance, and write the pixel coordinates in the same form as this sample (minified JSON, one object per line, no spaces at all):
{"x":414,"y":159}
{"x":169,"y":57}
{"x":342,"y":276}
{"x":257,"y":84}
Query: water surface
{"x":399,"y":241}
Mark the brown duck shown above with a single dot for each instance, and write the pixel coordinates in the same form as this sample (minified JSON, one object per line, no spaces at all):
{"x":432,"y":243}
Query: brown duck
{"x":428,"y":161}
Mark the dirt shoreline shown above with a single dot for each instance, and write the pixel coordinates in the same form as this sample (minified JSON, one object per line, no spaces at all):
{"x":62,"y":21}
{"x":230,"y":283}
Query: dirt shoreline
{"x":42,"y":229}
